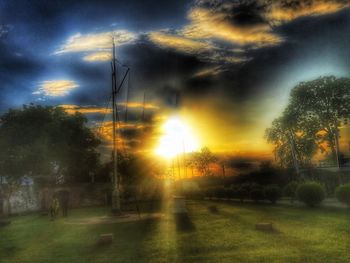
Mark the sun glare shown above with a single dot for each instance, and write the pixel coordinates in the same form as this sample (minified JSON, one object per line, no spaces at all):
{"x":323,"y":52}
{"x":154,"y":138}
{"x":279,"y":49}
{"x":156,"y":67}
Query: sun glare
{"x":177,"y":139}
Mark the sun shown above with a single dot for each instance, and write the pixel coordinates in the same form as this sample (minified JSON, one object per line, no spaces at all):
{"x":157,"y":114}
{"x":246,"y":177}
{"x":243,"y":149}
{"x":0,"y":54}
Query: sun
{"x":177,"y":139}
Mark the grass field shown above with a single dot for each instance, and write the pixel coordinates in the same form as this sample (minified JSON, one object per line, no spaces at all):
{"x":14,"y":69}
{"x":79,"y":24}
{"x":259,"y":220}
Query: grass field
{"x":302,"y":235}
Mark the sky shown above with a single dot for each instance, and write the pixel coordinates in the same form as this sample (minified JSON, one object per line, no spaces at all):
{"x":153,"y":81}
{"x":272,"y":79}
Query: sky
{"x":229,"y":65}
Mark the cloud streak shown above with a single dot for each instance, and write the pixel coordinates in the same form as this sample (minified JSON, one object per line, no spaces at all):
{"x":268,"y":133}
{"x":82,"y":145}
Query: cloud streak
{"x":95,"y":42}
{"x":179,"y":43}
{"x":248,"y":24}
{"x":56,"y":88}
{"x":98,"y":56}
{"x":284,"y":11}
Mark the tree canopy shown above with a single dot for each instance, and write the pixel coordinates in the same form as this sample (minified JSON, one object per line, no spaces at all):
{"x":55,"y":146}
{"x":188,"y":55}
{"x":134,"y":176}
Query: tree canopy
{"x":47,"y":144}
{"x":311,"y":120}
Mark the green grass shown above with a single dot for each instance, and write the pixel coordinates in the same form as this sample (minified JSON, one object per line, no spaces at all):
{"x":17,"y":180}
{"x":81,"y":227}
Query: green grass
{"x":303,"y":235}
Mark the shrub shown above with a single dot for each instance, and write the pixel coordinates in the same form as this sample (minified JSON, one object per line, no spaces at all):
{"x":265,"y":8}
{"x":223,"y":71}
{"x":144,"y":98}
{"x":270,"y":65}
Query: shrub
{"x":273,"y":193}
{"x":310,"y":193}
{"x":256,"y":193}
{"x":290,"y":190}
{"x":343,"y":194}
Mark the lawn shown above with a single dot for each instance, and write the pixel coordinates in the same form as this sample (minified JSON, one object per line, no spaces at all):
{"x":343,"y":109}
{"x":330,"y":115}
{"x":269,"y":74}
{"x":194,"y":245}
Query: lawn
{"x":302,"y":235}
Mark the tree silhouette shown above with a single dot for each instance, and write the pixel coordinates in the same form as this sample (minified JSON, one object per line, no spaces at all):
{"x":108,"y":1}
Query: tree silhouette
{"x":203,"y":159}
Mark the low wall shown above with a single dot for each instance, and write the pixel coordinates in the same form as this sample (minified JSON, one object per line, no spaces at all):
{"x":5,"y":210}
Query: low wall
{"x":32,"y":198}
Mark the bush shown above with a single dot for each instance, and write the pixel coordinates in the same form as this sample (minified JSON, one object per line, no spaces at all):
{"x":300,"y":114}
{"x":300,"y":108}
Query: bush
{"x":343,"y":194}
{"x":310,"y":193}
{"x":256,"y":193}
{"x":273,"y":193}
{"x":290,"y":190}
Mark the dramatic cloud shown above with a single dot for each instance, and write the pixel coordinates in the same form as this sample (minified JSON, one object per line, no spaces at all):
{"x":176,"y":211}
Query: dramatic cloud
{"x":213,"y":23}
{"x":242,"y":23}
{"x":204,"y":49}
{"x":231,"y":63}
{"x":96,"y":42}
{"x":56,"y":88}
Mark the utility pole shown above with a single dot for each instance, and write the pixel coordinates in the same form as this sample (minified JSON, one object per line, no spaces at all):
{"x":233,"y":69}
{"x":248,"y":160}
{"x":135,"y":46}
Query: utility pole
{"x":116,"y":191}
{"x":184,"y":159}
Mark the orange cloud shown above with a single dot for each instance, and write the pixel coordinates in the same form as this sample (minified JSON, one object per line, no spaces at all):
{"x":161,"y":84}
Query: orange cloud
{"x":140,"y":105}
{"x":104,"y":131}
{"x":207,"y":23}
{"x":179,"y":42}
{"x":71,"y":109}
{"x":280,"y":12}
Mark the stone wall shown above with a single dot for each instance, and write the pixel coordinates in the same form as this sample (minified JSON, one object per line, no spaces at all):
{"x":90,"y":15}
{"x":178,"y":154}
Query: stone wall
{"x":31,"y":198}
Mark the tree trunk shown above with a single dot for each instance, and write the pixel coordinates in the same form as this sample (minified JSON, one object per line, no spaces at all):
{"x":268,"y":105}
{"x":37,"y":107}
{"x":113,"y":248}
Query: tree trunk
{"x":8,"y":206}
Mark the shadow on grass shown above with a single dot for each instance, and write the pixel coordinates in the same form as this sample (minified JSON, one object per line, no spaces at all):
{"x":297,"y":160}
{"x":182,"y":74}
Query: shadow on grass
{"x":184,"y":223}
{"x":132,"y":240}
{"x":213,"y":209}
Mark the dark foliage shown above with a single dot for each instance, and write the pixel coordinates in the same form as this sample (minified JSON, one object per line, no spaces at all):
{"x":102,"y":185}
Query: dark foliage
{"x":311,"y":193}
{"x":257,"y":193}
{"x":272,"y":193}
{"x":290,"y":190}
{"x":343,"y":194}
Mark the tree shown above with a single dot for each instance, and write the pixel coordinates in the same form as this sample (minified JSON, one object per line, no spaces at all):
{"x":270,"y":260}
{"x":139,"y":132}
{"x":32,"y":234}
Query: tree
{"x":203,"y":159}
{"x":311,"y":120}
{"x":191,"y":162}
{"x":47,"y":144}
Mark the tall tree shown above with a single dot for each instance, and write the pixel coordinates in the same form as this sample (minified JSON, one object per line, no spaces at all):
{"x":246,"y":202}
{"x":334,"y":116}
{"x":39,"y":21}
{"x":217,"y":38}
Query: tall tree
{"x":312,"y":118}
{"x":203,"y":159}
{"x":47,"y":144}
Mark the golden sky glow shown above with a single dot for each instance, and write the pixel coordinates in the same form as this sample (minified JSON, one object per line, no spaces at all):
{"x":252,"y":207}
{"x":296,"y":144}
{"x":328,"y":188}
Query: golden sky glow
{"x":56,"y":88}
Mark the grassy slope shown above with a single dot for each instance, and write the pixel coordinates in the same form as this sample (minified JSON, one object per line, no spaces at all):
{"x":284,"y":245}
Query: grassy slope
{"x":304,"y":235}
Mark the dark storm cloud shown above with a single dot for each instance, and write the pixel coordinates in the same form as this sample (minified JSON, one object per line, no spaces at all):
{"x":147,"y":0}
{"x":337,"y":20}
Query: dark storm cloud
{"x":190,"y":49}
